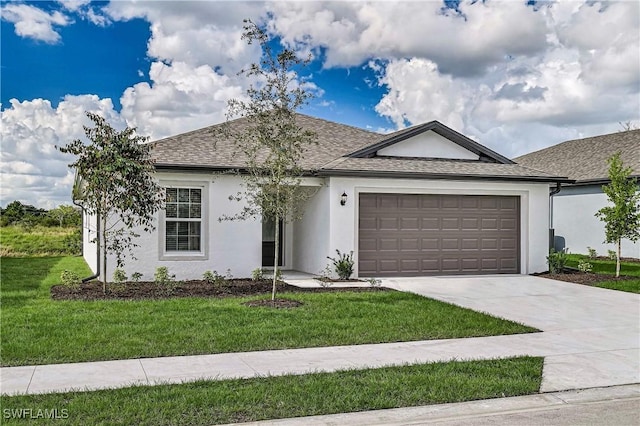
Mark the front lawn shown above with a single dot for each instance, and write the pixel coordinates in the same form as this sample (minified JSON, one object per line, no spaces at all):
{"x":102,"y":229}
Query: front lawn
{"x":605,"y":266}
{"x":608,"y":267}
{"x":207,"y":402}
{"x":38,"y":330}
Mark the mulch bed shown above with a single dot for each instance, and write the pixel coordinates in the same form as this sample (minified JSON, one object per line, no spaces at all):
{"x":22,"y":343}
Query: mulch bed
{"x":586,"y":278}
{"x":195,"y":288}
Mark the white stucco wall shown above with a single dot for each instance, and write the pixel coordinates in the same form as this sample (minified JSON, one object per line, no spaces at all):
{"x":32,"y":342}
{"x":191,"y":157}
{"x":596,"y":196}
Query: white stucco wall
{"x":311,"y":234}
{"x":534,"y":209}
{"x":324,"y":227}
{"x":234,"y":245}
{"x":574,"y":220}
{"x":428,"y":145}
{"x":89,"y":233}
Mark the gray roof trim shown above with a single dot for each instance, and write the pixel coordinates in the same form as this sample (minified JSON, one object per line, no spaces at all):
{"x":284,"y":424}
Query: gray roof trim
{"x":440,"y":129}
{"x":606,"y":181}
{"x":410,"y":175}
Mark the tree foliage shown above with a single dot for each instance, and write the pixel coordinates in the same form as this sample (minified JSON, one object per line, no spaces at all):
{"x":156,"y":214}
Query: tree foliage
{"x":115,"y":183}
{"x":622,"y":218}
{"x":272,"y":143}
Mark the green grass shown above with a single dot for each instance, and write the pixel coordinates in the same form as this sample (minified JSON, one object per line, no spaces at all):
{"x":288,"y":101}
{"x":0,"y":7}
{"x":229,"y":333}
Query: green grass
{"x":39,"y":241}
{"x":630,"y":286}
{"x":38,"y":330}
{"x":207,"y":402}
{"x":630,"y":269}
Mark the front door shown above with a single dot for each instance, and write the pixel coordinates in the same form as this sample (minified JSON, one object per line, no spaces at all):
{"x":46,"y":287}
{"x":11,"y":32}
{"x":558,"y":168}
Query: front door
{"x":269,"y":242}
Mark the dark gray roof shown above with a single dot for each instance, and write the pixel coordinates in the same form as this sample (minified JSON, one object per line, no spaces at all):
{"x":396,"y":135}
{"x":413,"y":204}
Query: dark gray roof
{"x":586,"y":159}
{"x":433,"y":168}
{"x":208,"y":149}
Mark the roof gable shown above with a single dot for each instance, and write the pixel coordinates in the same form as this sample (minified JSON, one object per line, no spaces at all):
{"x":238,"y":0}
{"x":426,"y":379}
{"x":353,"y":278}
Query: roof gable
{"x":431,"y":140}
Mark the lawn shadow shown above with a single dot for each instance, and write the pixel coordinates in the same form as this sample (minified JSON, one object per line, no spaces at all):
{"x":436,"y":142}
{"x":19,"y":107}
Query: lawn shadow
{"x":22,"y":277}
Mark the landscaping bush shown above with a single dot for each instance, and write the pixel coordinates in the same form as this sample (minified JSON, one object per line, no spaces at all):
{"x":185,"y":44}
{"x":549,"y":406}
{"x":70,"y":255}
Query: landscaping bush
{"x":343,"y":264}
{"x":557,"y":261}
{"x":70,"y":279}
{"x":257,"y":274}
{"x":584,"y":266}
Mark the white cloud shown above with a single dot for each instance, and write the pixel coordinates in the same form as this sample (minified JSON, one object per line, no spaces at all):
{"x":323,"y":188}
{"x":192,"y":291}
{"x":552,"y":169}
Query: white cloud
{"x":32,"y":22}
{"x":180,"y":98}
{"x":74,"y":5}
{"x":33,"y":170}
{"x":196,"y":33}
{"x":417,"y":92}
{"x":460,"y":43}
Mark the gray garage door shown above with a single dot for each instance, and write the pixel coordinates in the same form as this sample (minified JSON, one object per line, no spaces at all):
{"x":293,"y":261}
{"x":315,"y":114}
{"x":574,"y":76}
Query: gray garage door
{"x":415,"y":234}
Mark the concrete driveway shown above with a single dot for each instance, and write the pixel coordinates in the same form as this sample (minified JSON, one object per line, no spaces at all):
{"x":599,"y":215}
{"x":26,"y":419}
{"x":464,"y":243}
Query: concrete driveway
{"x":591,"y":336}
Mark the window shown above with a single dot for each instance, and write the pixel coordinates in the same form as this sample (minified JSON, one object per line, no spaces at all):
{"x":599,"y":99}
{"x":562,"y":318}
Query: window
{"x":183,"y":220}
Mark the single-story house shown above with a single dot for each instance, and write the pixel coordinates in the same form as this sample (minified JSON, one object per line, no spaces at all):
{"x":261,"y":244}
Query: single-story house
{"x":425,"y":200}
{"x":574,"y":207}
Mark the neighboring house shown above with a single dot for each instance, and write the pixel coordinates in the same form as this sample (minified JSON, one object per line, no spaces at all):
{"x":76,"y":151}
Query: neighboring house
{"x":421,"y":201}
{"x":575,"y":206}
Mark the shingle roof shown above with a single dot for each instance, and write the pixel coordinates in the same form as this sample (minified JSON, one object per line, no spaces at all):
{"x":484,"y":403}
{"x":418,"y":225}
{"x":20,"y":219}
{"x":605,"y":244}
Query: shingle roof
{"x":381,"y":166}
{"x":586,"y":159}
{"x":207,"y":149}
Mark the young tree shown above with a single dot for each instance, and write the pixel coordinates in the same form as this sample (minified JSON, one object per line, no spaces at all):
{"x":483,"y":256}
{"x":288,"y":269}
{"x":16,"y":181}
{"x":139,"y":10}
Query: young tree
{"x":272,"y":142}
{"x":622,"y":219}
{"x":65,"y":215}
{"x":116,"y":184}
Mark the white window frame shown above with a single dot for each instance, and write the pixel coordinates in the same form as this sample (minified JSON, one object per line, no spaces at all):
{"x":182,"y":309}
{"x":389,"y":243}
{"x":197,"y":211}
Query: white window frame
{"x":203,"y":253}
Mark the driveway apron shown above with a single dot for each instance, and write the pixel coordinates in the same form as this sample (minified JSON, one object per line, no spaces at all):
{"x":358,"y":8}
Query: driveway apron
{"x":590,"y":338}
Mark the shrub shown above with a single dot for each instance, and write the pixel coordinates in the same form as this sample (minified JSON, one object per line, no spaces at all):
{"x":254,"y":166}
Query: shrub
{"x":213,"y":278}
{"x":70,"y":279}
{"x":257,"y":274}
{"x":557,"y":261}
{"x":374,"y":282}
{"x":343,"y":264}
{"x":135,"y":277}
{"x":73,"y":242}
{"x":326,"y":273}
{"x":119,"y":276}
{"x":162,"y":277}
{"x":612,"y":254}
{"x":592,"y":253}
{"x":584,"y":266}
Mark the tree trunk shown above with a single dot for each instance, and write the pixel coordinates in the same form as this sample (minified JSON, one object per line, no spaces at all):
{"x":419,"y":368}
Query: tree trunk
{"x":276,"y":259}
{"x":618,"y":258}
{"x":103,"y":237}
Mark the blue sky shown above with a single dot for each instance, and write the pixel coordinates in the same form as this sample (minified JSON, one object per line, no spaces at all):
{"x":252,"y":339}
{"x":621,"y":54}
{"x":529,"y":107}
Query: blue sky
{"x":516,"y":76}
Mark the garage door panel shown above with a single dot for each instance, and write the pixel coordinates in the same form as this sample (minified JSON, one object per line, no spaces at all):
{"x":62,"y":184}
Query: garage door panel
{"x":450,"y":223}
{"x":388,"y":244}
{"x":419,"y":234}
{"x":430,"y":244}
{"x":430,"y":224}
{"x":368,"y":244}
{"x":409,"y":223}
{"x":368,"y":224}
{"x":409,"y":244}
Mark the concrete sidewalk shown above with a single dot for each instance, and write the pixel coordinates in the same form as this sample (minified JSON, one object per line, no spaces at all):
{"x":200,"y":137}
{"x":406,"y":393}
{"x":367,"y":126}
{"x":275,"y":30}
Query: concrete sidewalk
{"x":618,"y":405}
{"x":590,"y":338}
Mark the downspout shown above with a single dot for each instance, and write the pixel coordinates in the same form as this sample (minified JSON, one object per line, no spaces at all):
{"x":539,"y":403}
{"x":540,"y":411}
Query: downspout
{"x":97,"y":274}
{"x":552,"y":232}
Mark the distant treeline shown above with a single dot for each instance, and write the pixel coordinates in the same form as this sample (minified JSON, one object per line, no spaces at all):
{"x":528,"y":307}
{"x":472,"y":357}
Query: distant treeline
{"x":17,"y":213}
